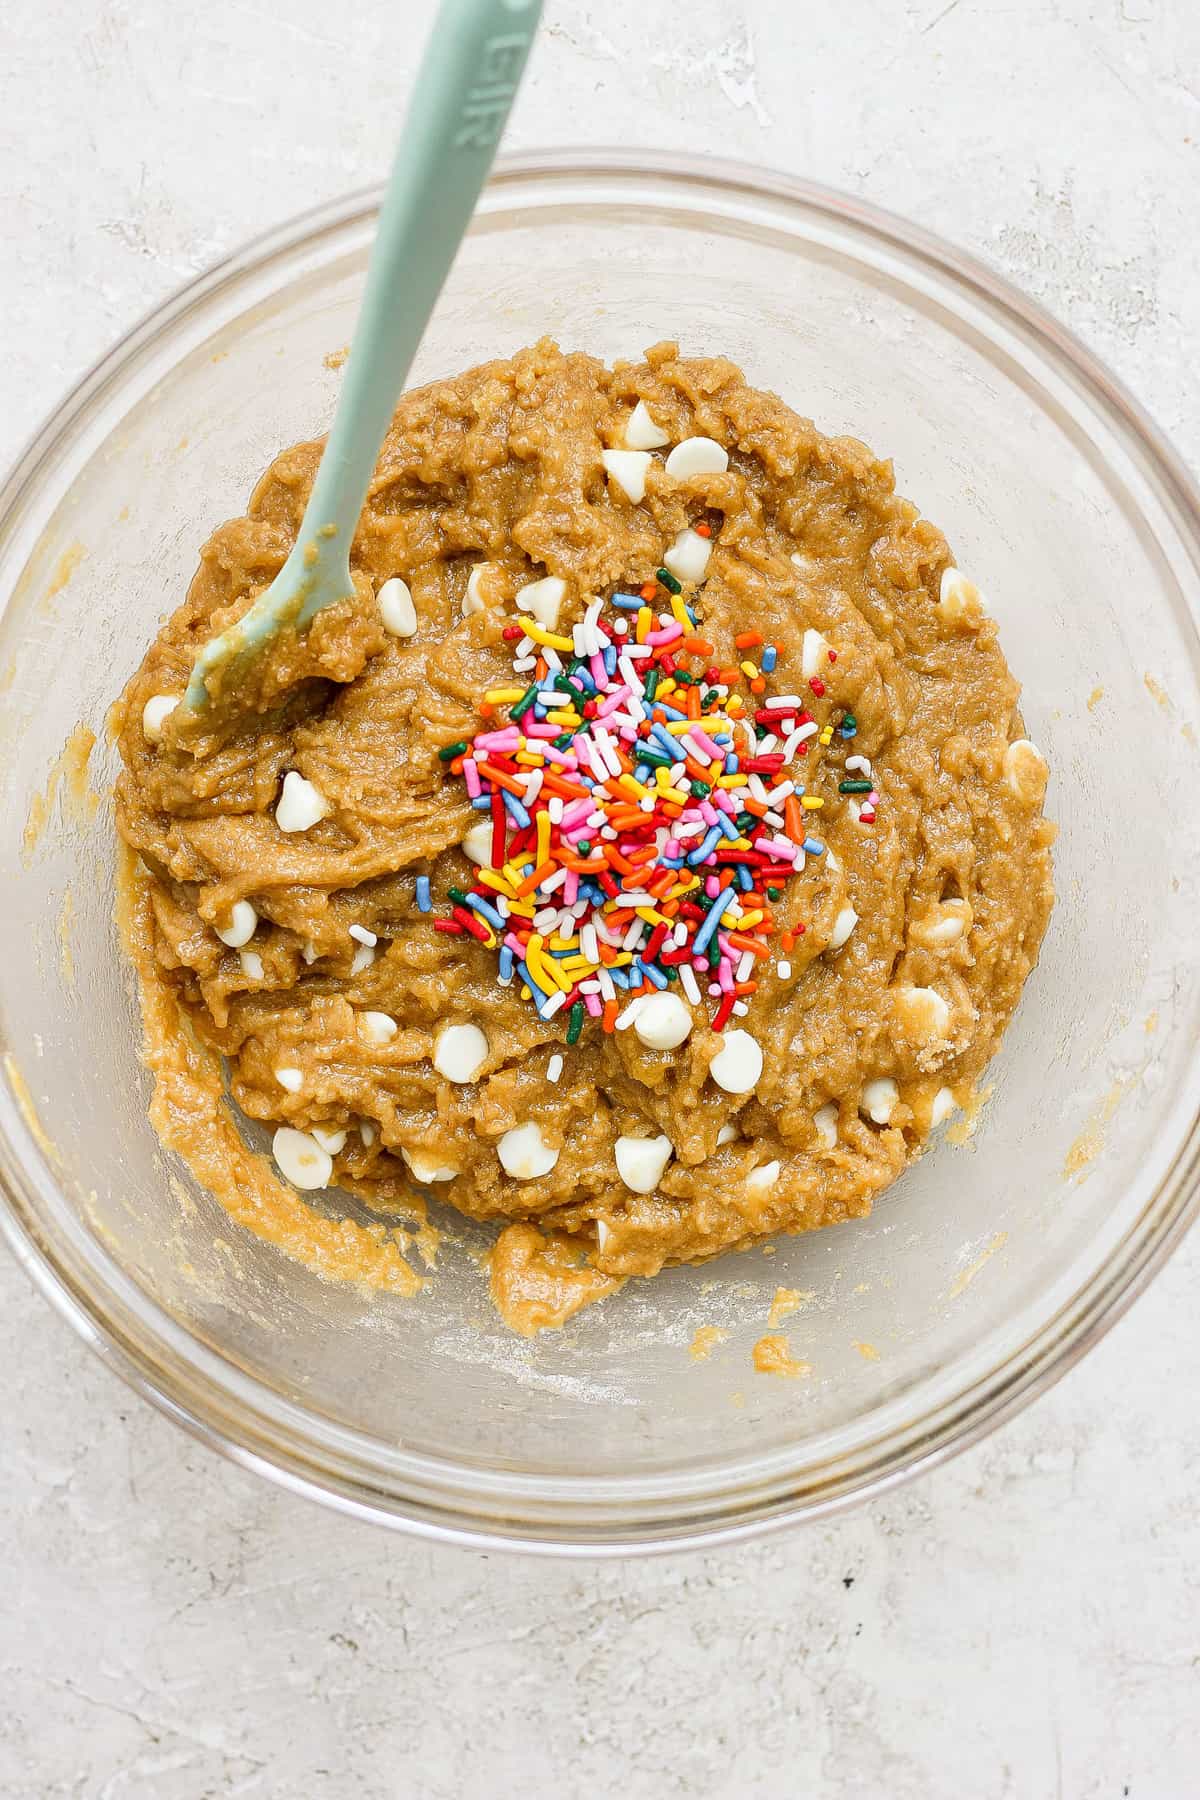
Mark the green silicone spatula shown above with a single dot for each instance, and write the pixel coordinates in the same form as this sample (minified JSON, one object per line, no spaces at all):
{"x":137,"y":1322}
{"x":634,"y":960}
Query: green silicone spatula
{"x":461,"y":101}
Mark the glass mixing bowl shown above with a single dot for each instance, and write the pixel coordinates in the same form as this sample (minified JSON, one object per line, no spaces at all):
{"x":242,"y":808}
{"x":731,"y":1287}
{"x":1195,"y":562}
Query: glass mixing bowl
{"x":988,"y":1268}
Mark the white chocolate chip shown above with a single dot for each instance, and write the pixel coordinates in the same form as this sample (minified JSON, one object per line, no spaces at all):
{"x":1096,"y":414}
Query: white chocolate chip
{"x":363,"y":957}
{"x":641,"y":1161}
{"x":641,"y":432}
{"x":726,"y":1134}
{"x":377,"y":1027}
{"x":367,"y":1133}
{"x":396,"y":606}
{"x":474,"y":601}
{"x":300,"y":805}
{"x":879,"y":1099}
{"x":627,"y":468}
{"x":155,"y":711}
{"x":923,"y":1012}
{"x":959,"y":601}
{"x":603,"y":1233}
{"x":825,"y":1120}
{"x":330,"y":1137}
{"x":477,"y":845}
{"x":738,"y":1063}
{"x":524,"y":1153}
{"x":943,"y":925}
{"x":697,"y":456}
{"x":944,"y":1104}
{"x":843,"y":925}
{"x":310,"y":953}
{"x":252,"y":964}
{"x":662,"y":1021}
{"x":460,"y":1053}
{"x":687,"y":558}
{"x":300,"y":1159}
{"x":242,"y":922}
{"x":1025,"y":771}
{"x":763,"y":1179}
{"x":291,"y":1079}
{"x":814,"y":654}
{"x":427,"y":1166}
{"x":543,"y":600}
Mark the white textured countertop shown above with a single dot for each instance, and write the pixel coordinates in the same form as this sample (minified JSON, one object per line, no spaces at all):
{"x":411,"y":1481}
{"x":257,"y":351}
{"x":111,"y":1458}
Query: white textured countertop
{"x":1025,"y":1622}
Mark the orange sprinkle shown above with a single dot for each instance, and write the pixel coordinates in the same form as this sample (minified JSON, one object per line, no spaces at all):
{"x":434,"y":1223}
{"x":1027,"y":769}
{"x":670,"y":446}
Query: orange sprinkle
{"x":608,"y":1018}
{"x":693,"y":703}
{"x":698,"y":646}
{"x":739,"y":941}
{"x":502,"y":780}
{"x":535,"y":878}
{"x":745,"y":987}
{"x":788,"y":941}
{"x":758,"y":685}
{"x":704,"y":530}
{"x":649,"y":591}
{"x":729,"y":677}
{"x":793,"y":822}
{"x":748,"y":640}
{"x":755,"y":807}
{"x":485,"y":709}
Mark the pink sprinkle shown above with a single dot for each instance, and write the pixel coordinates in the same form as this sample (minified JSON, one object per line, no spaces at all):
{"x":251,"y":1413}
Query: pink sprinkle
{"x":782,"y":849}
{"x":712,"y":886}
{"x":722,"y":798}
{"x":725,"y":976}
{"x":508,"y":739}
{"x":706,"y":744}
{"x":667,"y":635}
{"x":542,"y":730}
{"x":513,"y":943}
{"x":571,"y":888}
{"x":672,"y":847}
{"x":576,"y":812}
{"x":566,"y":759}
{"x":708,"y":813}
{"x":612,"y":701}
{"x":599,"y":672}
{"x":471,"y":777}
{"x":592,"y":1002}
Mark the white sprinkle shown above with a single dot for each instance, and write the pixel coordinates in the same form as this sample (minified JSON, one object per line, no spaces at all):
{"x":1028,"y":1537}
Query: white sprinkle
{"x":252,"y":964}
{"x":554,"y":1067}
{"x":641,"y":1161}
{"x":362,"y":959}
{"x":826,"y":1121}
{"x":641,"y":432}
{"x":291,"y":1079}
{"x":242,"y":922}
{"x":687,"y":558}
{"x":330,"y":1137}
{"x":697,"y":456}
{"x":377,"y":1027}
{"x":300,"y":804}
{"x":627,"y":469}
{"x":556,"y":808}
{"x":814,"y":654}
{"x":843,"y":925}
{"x":427,"y":1165}
{"x":745,"y":964}
{"x":155,"y":711}
{"x":460,"y":1053}
{"x":363,"y":935}
{"x":606,"y":984}
{"x":738,"y":1064}
{"x":397,"y":609}
{"x":524,"y":663}
{"x":689,"y":984}
{"x":784,"y":970}
{"x":300,"y":1159}
{"x":726,"y":1134}
{"x":879,"y":1099}
{"x":543,"y":599}
{"x":554,"y":1004}
{"x":367,"y":1133}
{"x":739,"y":1009}
{"x":630,"y":1015}
{"x":524,"y":1153}
{"x":860,"y":763}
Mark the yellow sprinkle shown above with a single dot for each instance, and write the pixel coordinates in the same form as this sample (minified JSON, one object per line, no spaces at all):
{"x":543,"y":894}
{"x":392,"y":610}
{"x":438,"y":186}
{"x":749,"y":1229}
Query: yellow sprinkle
{"x":522,"y":909}
{"x":748,"y":670}
{"x":526,"y":993}
{"x":735,"y":705}
{"x":645,"y":621}
{"x":533,"y":630}
{"x":503,"y":696}
{"x":652,"y":916}
{"x":813,"y":802}
{"x":677,"y":727}
{"x":564,"y":718}
{"x":827,"y":735}
{"x":665,"y":687}
{"x":680,"y":611}
{"x":496,"y":878}
{"x":730,"y":781}
{"x":529,"y":759}
{"x":673,"y":797}
{"x":748,"y":920}
{"x":632,"y":785}
{"x":543,"y":838}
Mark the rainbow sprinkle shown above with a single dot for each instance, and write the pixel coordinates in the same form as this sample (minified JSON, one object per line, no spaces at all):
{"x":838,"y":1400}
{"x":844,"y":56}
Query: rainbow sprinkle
{"x":642,"y":819}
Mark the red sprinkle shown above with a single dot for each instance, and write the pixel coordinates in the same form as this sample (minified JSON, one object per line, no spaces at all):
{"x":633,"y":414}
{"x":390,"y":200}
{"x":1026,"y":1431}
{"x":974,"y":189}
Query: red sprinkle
{"x":817,"y":686}
{"x":723,"y":1013}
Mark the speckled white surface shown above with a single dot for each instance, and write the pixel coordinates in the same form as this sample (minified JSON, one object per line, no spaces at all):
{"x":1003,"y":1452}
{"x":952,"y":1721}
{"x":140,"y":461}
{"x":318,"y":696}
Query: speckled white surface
{"x":1023,"y":1623}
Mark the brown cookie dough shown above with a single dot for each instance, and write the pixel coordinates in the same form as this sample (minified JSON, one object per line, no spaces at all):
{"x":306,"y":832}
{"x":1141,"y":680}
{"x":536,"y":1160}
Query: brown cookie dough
{"x":495,"y":477}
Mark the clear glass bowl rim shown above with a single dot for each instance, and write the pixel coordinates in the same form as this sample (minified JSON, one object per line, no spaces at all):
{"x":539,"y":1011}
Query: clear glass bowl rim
{"x":247,"y":1421}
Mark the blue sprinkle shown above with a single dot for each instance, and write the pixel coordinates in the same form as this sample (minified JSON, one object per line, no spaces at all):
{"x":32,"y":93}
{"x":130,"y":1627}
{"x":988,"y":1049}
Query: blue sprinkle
{"x":744,"y":878}
{"x":654,"y":974}
{"x":424,"y":903}
{"x":672,"y":712}
{"x":716,"y":913}
{"x":668,"y":744}
{"x":770,"y":657}
{"x":506,"y":964}
{"x":814,"y":847}
{"x":728,"y":826}
{"x":643,"y":772}
{"x":731,"y":762}
{"x":483,"y":804}
{"x":706,"y":847}
{"x":721,"y":737}
{"x":514,"y":809}
{"x":628,"y":602}
{"x":671,"y":862}
{"x":848,"y":731}
{"x":487,"y":911}
{"x":609,"y":655}
{"x":619,"y":977}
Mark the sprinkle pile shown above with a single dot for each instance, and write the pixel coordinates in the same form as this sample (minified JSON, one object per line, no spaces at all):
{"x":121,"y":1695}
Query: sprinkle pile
{"x":641,"y":819}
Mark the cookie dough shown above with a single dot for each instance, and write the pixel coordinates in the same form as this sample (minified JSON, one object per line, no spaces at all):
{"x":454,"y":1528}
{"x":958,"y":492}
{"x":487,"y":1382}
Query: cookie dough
{"x":283,"y":847}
